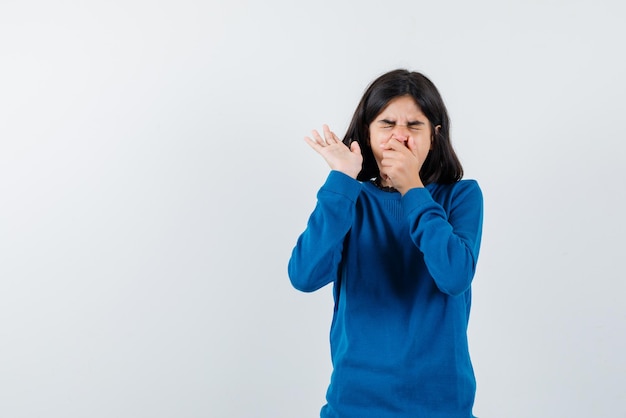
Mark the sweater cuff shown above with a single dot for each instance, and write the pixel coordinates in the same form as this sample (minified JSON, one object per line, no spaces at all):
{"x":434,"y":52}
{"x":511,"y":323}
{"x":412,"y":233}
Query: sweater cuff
{"x":340,"y":183}
{"x":416,"y":198}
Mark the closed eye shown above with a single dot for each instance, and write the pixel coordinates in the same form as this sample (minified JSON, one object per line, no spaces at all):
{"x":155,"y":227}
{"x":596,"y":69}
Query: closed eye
{"x":389,"y":124}
{"x":415,"y":126}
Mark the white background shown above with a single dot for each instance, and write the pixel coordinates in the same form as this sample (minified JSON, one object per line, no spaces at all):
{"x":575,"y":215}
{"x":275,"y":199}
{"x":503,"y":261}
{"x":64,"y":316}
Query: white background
{"x":153,"y":181}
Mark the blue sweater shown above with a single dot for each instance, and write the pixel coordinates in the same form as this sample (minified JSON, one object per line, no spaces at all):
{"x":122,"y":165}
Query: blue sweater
{"x":402,"y":267}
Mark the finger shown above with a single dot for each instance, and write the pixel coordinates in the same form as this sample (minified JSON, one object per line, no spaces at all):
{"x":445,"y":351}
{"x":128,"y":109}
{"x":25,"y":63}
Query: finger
{"x":318,"y":138}
{"x":402,"y":142}
{"x":329,"y":135}
{"x":397,"y":145}
{"x":391,"y":145}
{"x":313,"y":143}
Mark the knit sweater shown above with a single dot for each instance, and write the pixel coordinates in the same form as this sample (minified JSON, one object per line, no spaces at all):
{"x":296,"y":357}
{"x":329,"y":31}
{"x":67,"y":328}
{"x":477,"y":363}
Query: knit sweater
{"x":402,"y":268}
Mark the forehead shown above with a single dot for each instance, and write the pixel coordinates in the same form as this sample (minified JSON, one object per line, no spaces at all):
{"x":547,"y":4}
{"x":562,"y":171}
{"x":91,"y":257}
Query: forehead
{"x":402,"y":107}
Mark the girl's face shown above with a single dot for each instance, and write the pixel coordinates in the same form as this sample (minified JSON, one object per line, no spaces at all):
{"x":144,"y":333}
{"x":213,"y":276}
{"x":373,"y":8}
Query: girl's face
{"x":401,"y":119}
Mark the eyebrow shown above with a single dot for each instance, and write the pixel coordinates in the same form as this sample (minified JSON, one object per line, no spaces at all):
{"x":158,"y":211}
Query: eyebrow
{"x":411,"y":123}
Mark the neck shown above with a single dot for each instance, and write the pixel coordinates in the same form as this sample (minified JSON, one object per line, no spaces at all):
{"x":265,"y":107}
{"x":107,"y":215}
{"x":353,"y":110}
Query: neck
{"x":384,"y":184}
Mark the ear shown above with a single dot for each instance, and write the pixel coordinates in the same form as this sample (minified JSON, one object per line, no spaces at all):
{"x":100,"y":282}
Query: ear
{"x":432,"y":138}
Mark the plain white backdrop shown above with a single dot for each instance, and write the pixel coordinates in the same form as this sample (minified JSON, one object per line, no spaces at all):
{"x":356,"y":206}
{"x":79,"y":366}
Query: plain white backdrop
{"x":153,"y":181}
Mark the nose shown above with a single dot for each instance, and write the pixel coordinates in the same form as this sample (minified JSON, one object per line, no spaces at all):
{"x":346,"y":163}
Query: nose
{"x":401,"y":133}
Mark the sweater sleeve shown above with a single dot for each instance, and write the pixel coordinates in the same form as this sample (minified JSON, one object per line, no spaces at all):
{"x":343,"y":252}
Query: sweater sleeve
{"x":315,"y":259}
{"x":449,"y":240}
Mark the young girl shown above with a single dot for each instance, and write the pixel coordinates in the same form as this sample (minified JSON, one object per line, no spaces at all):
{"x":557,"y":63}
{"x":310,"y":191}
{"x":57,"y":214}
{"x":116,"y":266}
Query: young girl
{"x":397,"y":232}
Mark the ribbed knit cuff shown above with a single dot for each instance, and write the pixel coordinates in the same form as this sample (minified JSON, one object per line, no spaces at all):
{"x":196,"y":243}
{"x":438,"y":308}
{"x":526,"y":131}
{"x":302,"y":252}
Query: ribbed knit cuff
{"x":416,"y":198}
{"x":340,"y":183}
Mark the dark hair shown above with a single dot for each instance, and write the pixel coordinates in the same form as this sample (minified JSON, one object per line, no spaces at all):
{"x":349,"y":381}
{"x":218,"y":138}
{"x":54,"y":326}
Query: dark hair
{"x":441,"y":165}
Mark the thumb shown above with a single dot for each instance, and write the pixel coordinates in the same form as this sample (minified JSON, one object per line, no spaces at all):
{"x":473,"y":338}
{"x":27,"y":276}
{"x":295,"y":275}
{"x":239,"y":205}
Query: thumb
{"x":411,"y":145}
{"x":355,"y":147}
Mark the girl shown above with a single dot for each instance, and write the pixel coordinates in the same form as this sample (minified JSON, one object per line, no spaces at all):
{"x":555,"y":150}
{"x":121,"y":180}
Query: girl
{"x":397,"y":232}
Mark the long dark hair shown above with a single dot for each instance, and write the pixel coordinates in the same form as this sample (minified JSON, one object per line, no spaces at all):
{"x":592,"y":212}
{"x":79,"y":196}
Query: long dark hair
{"x":441,"y":165}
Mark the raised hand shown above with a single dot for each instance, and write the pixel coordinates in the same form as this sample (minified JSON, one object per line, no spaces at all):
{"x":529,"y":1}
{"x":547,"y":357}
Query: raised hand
{"x":338,"y":156}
